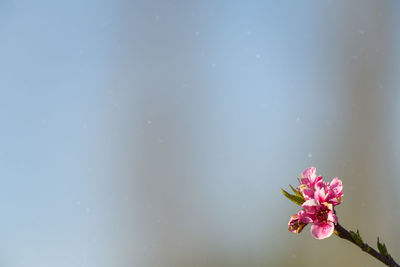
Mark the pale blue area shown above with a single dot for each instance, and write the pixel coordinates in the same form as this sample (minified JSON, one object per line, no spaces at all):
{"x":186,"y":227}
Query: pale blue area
{"x":53,"y":61}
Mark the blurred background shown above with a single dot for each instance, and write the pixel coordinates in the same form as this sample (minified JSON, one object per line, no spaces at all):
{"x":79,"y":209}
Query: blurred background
{"x":159,"y":133}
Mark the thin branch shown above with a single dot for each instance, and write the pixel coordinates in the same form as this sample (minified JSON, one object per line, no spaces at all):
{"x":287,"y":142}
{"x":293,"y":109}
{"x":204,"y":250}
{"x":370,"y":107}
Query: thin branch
{"x":343,"y":233}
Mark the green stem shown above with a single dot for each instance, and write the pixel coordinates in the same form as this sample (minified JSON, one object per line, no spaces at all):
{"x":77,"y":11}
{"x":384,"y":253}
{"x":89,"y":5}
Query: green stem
{"x":343,"y":233}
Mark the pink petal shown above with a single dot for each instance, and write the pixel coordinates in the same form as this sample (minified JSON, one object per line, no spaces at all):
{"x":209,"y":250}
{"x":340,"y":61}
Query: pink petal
{"x":332,"y":217}
{"x":295,"y":225}
{"x":320,"y":194}
{"x":320,"y":184}
{"x":305,"y":217}
{"x":336,"y":186}
{"x":335,"y":201}
{"x":308,"y":193}
{"x":322,"y":231}
{"x":293,"y":220}
{"x":317,"y":180}
{"x":309,"y":173}
{"x":310,"y":205}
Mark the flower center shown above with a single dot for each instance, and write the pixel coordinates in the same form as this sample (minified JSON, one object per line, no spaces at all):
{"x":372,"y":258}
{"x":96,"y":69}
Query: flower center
{"x":322,"y":215}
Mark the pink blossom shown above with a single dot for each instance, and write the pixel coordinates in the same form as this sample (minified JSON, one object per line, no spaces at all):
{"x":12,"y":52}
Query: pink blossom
{"x":318,"y":209}
{"x":313,"y":187}
{"x":322,"y":216}
{"x":295,"y":224}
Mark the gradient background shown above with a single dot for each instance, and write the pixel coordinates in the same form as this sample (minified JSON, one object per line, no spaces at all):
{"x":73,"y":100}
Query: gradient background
{"x":159,"y":133}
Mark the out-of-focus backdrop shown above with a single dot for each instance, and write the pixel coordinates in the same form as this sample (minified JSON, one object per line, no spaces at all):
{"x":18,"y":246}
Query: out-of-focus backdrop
{"x":159,"y":133}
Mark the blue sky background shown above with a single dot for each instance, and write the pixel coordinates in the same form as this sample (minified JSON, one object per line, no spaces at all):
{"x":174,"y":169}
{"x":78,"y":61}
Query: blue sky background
{"x":159,"y":133}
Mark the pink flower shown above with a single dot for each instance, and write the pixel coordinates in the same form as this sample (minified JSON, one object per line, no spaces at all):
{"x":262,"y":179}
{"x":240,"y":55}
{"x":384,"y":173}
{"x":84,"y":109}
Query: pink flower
{"x":322,"y":216}
{"x":311,"y":184}
{"x":295,"y":224}
{"x":318,"y":209}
